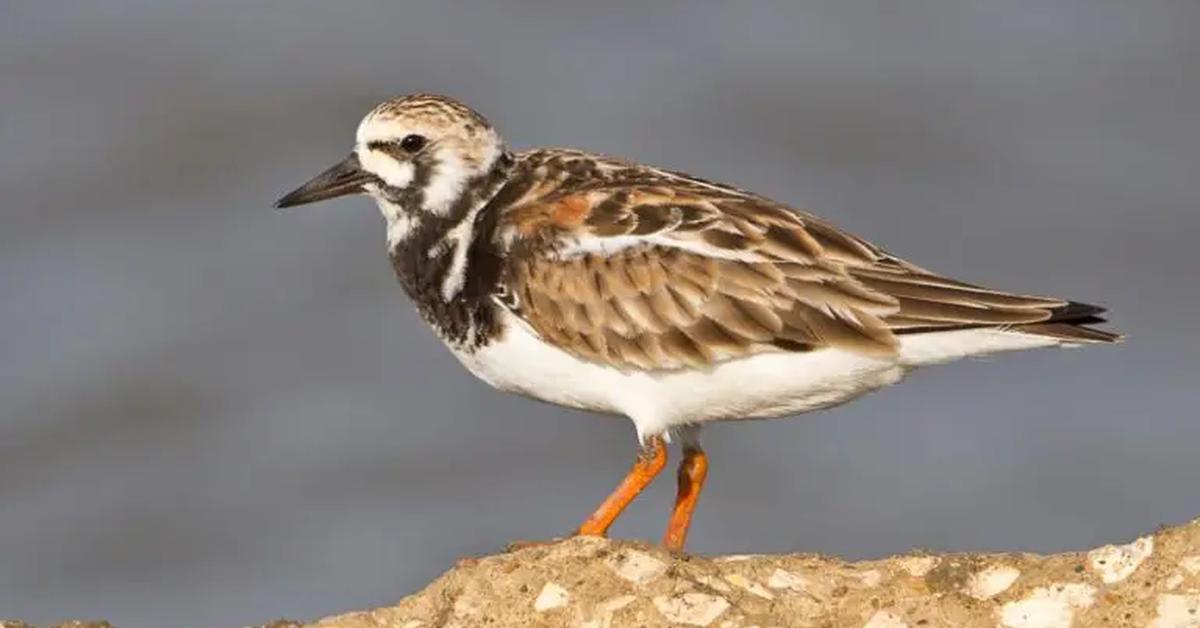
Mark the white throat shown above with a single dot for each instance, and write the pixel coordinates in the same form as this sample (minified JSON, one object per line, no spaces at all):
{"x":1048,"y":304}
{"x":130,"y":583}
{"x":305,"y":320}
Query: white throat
{"x":400,"y":224}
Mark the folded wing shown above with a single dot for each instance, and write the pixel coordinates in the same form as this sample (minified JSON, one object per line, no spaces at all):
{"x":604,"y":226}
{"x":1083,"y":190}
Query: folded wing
{"x":641,"y":268}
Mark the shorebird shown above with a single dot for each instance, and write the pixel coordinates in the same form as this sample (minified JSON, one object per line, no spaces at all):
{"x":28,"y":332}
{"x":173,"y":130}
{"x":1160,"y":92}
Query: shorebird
{"x":596,"y":283}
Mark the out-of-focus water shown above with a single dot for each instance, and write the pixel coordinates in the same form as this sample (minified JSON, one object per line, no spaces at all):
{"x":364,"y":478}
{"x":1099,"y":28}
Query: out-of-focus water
{"x":212,"y":413}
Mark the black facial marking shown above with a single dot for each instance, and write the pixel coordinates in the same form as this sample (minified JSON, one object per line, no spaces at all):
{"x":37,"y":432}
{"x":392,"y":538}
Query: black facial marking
{"x":412,"y":197}
{"x":469,"y":319}
{"x":393,"y":149}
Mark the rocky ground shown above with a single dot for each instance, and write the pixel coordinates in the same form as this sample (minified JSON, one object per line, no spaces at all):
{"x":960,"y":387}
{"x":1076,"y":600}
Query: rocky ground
{"x":597,"y":583}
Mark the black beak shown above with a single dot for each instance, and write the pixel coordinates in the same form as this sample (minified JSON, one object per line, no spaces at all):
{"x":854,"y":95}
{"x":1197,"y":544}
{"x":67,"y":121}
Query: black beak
{"x":345,"y":177}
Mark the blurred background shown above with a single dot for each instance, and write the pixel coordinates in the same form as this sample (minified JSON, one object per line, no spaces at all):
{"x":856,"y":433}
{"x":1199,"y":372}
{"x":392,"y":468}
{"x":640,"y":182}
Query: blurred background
{"x":212,"y":413}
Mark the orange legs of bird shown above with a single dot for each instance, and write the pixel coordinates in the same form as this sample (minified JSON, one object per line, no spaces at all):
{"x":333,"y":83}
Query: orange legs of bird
{"x":649,"y":463}
{"x":692,"y":471}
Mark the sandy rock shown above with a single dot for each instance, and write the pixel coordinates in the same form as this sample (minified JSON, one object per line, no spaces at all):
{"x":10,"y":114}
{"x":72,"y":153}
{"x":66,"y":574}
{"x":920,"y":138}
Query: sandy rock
{"x":1115,"y":563}
{"x":12,"y":623}
{"x":992,"y":581}
{"x":551,"y":597}
{"x":597,"y":583}
{"x":610,"y":584}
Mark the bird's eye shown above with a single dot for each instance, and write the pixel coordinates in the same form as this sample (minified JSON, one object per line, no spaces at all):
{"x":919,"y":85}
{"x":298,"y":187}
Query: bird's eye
{"x":413,"y":143}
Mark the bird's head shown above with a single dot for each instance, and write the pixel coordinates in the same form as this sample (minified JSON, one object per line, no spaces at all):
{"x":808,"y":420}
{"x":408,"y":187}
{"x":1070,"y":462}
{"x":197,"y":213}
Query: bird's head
{"x":416,"y":155}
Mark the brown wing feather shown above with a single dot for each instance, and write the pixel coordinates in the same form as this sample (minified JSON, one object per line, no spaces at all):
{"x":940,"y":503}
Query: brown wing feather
{"x":640,"y":268}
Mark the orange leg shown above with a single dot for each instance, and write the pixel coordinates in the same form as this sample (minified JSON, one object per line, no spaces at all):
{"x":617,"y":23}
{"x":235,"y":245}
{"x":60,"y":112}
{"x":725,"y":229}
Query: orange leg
{"x":649,"y":463}
{"x":692,"y":471}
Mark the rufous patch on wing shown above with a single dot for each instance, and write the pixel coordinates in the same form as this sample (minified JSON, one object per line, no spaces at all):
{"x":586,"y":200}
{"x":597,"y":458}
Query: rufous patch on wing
{"x":570,"y":211}
{"x":566,"y":213}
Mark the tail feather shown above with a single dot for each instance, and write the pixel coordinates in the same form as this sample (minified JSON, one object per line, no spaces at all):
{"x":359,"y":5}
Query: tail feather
{"x":1070,"y":333}
{"x":1076,"y":312}
{"x":1070,"y":324}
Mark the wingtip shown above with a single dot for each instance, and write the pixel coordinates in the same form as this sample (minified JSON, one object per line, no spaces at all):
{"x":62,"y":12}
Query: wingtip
{"x":1077,"y":311}
{"x":1072,"y":333}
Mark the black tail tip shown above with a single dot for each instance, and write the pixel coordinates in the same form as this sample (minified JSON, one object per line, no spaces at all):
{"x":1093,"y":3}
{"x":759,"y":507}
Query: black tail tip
{"x":1079,"y":313}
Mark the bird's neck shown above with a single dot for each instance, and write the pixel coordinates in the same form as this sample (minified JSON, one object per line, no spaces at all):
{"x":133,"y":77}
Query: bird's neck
{"x":448,"y":264}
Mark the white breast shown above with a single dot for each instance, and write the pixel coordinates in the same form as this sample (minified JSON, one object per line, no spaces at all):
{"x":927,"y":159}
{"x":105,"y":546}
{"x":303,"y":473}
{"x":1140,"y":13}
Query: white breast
{"x":763,"y":385}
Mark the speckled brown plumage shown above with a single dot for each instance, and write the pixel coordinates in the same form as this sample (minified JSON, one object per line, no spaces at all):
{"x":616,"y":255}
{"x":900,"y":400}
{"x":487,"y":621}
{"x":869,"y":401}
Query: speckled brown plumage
{"x":647,"y":269}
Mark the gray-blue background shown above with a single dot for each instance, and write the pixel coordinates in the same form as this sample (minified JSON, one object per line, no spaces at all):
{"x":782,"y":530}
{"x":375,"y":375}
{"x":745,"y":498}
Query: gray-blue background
{"x":212,"y":413}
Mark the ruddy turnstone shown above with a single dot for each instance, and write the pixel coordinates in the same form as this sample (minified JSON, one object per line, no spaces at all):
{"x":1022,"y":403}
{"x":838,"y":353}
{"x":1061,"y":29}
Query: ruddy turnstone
{"x":596,"y":283}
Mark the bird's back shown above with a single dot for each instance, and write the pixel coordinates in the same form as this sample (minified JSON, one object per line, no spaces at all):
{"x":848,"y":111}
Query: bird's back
{"x":641,"y":268}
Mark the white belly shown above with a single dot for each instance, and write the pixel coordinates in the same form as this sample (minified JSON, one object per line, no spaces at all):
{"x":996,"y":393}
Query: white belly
{"x":763,"y":385}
